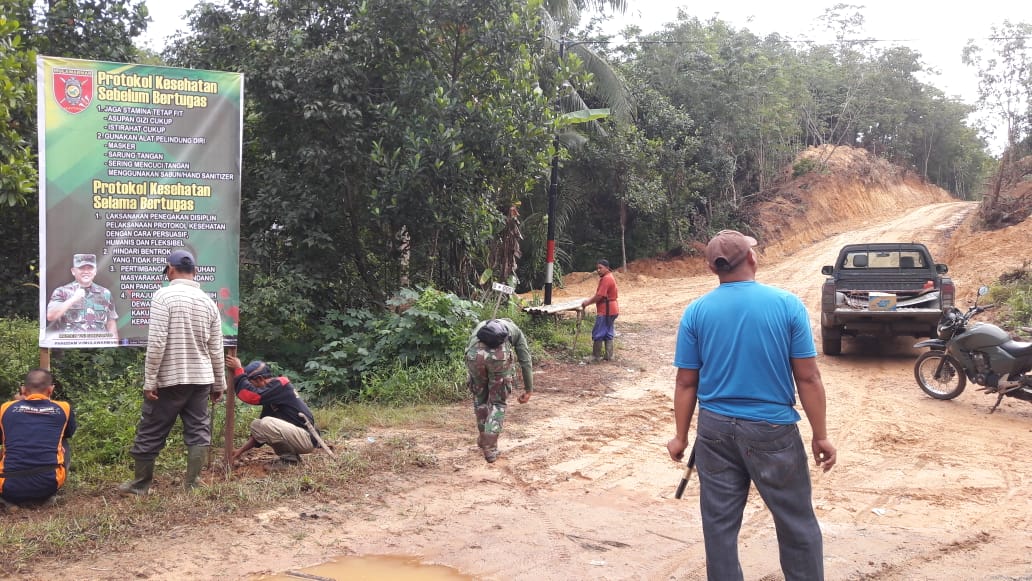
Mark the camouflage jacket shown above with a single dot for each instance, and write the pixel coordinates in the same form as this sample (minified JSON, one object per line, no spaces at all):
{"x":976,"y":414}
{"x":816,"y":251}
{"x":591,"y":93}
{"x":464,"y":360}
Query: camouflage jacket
{"x":92,"y":313}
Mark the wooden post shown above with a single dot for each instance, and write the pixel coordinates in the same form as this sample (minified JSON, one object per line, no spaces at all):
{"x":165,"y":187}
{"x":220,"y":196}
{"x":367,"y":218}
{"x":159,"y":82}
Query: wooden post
{"x":497,"y":304}
{"x":576,"y":331}
{"x":44,"y":358}
{"x":229,"y":447}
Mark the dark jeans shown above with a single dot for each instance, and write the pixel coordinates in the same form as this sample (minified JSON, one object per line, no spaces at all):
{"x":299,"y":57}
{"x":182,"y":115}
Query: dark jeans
{"x":157,"y":417}
{"x":730,"y":453}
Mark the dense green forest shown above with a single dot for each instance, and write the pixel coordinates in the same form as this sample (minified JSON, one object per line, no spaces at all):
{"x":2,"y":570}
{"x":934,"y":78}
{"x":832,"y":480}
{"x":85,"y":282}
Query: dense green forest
{"x":395,"y":148}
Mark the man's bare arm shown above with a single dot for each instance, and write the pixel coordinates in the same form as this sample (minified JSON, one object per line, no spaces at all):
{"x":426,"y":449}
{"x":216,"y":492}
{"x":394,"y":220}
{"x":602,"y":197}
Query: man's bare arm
{"x":811,"y":395}
{"x":686,"y":391}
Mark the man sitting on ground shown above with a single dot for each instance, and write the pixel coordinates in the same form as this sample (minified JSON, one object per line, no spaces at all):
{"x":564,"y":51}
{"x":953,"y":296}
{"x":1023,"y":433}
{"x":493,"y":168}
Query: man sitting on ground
{"x":35,"y":432}
{"x":279,"y":424}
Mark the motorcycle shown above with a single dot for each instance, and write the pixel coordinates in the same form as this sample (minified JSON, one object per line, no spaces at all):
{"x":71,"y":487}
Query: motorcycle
{"x":980,"y":352}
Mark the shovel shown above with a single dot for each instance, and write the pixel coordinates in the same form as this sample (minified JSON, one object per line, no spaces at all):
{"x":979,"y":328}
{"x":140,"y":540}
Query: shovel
{"x":315,"y":434}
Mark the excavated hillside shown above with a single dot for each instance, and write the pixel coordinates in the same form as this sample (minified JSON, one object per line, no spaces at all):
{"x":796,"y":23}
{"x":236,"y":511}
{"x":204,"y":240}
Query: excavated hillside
{"x":852,"y":188}
{"x":845,"y":188}
{"x":848,"y":189}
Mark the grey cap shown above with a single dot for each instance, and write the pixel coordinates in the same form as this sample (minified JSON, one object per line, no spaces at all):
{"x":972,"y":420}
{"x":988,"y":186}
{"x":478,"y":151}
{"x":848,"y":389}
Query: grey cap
{"x":180,"y":259}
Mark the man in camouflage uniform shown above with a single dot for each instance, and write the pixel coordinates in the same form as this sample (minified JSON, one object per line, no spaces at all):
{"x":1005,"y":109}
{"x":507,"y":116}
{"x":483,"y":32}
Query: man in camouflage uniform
{"x":492,"y":375}
{"x":82,"y":305}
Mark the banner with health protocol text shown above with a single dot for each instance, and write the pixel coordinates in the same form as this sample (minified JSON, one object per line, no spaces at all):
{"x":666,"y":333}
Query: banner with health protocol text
{"x":135,"y":162}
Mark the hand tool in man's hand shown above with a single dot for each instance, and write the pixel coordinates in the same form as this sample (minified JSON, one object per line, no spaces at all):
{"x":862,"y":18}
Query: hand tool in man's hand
{"x":687,"y":474}
{"x":315,"y":434}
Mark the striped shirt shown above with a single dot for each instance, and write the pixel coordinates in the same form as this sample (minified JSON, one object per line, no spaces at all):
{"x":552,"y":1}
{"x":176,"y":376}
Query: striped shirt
{"x":184,"y":342}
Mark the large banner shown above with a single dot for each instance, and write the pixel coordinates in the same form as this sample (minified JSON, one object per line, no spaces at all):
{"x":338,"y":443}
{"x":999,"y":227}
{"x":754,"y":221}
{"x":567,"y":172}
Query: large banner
{"x":135,"y":162}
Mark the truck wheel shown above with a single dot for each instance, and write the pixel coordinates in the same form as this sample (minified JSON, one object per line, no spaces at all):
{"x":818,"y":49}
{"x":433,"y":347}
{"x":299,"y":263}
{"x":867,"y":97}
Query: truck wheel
{"x":831,"y":341}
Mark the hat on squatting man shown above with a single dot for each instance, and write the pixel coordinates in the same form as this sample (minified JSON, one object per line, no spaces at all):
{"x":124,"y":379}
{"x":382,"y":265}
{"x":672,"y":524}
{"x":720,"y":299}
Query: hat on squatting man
{"x":257,"y":369}
{"x":728,"y":249}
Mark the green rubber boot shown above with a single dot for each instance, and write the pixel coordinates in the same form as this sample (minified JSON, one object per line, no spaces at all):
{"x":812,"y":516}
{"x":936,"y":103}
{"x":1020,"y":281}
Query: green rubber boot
{"x":142,"y":478}
{"x":610,"y":350}
{"x":195,"y":457}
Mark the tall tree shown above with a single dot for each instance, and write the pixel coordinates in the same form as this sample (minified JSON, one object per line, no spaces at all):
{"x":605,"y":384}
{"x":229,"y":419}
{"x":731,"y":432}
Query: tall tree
{"x":86,"y":29}
{"x":17,"y":110}
{"x":568,"y":12}
{"x":92,"y":29}
{"x":380,"y":135}
{"x":1004,"y":89}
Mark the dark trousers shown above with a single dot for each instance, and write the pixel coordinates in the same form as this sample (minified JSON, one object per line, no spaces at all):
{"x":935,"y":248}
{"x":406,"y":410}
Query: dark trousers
{"x":189,"y":402}
{"x":730,"y":453}
{"x":605,"y":328}
{"x":33,"y":486}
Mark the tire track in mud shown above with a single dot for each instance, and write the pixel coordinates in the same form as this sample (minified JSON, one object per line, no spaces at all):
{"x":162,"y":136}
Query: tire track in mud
{"x":901,"y":564}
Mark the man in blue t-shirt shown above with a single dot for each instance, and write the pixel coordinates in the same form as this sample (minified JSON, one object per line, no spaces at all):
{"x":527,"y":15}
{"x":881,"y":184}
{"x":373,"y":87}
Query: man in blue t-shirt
{"x":742,"y":351}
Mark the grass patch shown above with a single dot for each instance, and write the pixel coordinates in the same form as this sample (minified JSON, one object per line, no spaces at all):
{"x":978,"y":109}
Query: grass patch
{"x":1013,"y":293}
{"x":559,"y":337}
{"x":400,"y":383}
{"x":355,"y":419}
{"x":92,"y":517}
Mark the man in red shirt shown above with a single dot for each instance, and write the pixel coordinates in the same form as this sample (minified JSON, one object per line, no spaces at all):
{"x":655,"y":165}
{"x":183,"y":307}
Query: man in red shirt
{"x":606,"y":311}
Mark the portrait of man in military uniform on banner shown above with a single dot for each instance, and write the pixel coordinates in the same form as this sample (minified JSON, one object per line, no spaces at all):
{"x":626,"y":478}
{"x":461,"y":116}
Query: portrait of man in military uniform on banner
{"x":82,"y":306}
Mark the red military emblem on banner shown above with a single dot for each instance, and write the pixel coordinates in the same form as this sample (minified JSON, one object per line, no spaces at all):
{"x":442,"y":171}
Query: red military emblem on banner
{"x":73,"y":89}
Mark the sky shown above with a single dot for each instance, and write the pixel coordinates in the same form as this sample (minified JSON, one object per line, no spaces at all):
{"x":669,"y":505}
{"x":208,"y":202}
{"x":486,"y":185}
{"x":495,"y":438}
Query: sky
{"x":937,"y":29}
{"x":929,"y":28}
{"x":167,"y":17}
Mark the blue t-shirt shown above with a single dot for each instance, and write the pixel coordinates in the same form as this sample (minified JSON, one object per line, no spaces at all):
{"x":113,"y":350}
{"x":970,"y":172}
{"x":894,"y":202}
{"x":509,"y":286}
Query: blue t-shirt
{"x":741,"y":337}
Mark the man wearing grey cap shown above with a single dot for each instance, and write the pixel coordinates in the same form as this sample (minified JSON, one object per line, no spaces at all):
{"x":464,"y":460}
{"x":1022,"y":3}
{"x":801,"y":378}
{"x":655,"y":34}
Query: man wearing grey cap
{"x":743,"y":350}
{"x":82,"y":305}
{"x":184,"y":368}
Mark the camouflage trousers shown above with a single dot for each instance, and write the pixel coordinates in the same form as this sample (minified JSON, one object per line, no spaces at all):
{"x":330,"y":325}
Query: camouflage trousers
{"x":492,"y":373}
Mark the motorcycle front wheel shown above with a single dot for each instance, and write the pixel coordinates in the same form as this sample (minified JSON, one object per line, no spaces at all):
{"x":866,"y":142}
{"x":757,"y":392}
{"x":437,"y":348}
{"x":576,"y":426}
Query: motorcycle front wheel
{"x":950,"y":381}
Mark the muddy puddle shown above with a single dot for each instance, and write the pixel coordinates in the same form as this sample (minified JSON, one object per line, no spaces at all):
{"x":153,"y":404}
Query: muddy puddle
{"x":370,"y":568}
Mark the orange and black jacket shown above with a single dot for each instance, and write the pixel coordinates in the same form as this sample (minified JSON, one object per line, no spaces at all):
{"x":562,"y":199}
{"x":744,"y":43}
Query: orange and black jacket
{"x":34,"y":461}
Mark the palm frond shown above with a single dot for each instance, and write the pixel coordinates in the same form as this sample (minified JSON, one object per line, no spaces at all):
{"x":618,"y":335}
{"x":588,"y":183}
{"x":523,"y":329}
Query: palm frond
{"x":609,"y":85}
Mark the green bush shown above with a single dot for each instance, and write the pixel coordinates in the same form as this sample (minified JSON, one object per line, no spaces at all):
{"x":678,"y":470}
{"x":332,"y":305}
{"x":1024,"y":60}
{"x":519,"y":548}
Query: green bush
{"x":19,"y":343}
{"x":805,"y":166}
{"x":103,"y":386}
{"x":423,"y":327}
{"x":275,"y":316}
{"x":436,"y":382}
{"x":1014,"y":292}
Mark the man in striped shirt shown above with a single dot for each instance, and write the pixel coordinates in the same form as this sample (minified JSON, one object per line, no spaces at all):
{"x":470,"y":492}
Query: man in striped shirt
{"x":185,"y":367}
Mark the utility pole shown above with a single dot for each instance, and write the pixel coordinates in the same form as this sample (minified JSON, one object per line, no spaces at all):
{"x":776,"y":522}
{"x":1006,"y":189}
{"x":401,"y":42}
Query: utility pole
{"x":553,"y":191}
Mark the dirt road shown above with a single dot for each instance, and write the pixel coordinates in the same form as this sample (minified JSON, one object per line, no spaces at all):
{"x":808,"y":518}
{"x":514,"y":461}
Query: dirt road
{"x":923,"y":489}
